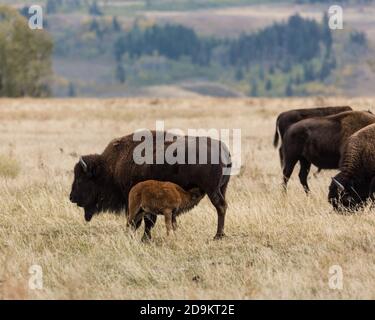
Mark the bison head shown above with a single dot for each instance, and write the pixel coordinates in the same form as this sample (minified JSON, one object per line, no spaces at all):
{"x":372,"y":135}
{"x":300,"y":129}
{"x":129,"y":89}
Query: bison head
{"x":347,"y":194}
{"x":87,"y":185}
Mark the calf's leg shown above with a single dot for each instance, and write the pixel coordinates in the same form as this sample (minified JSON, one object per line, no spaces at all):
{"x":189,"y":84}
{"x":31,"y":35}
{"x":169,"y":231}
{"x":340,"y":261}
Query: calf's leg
{"x":168,"y":220}
{"x":150,"y":220}
{"x":135,"y":218}
{"x":134,"y":210}
{"x":174,"y":222}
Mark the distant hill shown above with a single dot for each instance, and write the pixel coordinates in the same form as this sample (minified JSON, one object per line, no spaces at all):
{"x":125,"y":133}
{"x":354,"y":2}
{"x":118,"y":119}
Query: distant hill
{"x":227,"y":57}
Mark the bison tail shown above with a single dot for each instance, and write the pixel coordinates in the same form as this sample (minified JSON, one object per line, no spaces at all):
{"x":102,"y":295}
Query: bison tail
{"x":276,"y":137}
{"x":281,"y":156}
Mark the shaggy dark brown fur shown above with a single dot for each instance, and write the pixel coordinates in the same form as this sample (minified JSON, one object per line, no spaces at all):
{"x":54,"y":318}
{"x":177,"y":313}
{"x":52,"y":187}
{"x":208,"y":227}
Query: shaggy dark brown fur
{"x":165,"y":198}
{"x":104,"y":181}
{"x":355,"y":183}
{"x":287,"y":118}
{"x":319,"y":141}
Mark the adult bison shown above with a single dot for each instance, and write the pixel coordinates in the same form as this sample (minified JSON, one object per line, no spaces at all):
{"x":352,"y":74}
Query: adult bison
{"x":102,"y":182}
{"x":319,"y":141}
{"x":355,"y":183}
{"x":287,"y":118}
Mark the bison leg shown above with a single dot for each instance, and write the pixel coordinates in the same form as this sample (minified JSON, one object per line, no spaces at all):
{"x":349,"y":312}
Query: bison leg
{"x":220,"y":205}
{"x":138,"y":220}
{"x":150,"y":220}
{"x":303,"y":173}
{"x":174,"y":222}
{"x":138,"y":224}
{"x":223,"y":189}
{"x":135,"y":214}
{"x":288,"y":170}
{"x":168,"y":220}
{"x":135,"y":219}
{"x":317,"y":172}
{"x":372,"y":190}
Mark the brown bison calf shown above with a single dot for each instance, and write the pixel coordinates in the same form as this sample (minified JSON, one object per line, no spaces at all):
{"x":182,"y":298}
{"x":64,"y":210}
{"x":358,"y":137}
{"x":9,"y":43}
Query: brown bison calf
{"x":164,"y":198}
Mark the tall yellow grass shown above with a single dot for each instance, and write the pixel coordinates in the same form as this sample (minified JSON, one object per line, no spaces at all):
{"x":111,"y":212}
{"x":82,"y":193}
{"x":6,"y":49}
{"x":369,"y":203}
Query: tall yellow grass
{"x":9,"y":168}
{"x":277,"y":246}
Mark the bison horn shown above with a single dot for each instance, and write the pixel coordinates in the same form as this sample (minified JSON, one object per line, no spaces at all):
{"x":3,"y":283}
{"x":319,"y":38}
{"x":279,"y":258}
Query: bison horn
{"x":83,"y":164}
{"x":338,"y":185}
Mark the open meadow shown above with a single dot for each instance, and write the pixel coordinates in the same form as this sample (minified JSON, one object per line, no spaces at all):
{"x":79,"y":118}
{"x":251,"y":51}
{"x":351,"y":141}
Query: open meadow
{"x":277,"y":246}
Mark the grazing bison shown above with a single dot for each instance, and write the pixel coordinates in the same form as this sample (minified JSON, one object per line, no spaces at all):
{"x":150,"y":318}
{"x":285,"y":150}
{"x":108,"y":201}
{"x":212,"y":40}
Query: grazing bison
{"x":287,"y":118}
{"x":355,"y":183}
{"x":319,"y":141}
{"x":102,"y":182}
{"x":158,"y":197}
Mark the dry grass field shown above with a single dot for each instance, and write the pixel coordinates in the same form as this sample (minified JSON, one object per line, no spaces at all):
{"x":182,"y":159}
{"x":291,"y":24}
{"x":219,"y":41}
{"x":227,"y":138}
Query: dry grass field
{"x":277,"y":246}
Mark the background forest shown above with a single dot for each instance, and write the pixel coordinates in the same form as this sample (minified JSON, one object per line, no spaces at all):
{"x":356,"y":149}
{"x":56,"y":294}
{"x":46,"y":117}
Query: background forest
{"x":218,"y":48}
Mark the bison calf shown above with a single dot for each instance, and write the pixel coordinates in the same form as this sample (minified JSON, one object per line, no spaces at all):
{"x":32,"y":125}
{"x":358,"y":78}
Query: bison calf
{"x":164,"y":198}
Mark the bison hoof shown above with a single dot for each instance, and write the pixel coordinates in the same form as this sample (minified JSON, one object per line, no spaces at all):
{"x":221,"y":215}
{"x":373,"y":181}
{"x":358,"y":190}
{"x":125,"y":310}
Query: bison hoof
{"x":219,"y":236}
{"x":146,"y":238}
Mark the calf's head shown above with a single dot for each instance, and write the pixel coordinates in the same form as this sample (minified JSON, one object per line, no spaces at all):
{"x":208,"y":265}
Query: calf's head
{"x":348,"y":194}
{"x":196,"y":194}
{"x":87,"y":185}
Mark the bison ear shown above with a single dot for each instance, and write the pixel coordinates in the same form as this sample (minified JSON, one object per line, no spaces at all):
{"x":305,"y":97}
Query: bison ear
{"x":339,"y":186}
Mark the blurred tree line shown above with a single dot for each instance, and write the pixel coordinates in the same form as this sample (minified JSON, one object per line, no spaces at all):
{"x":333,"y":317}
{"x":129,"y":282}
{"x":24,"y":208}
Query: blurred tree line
{"x":273,"y":50}
{"x":286,"y":58}
{"x":280,"y":45}
{"x":330,"y":2}
{"x":25,"y":57}
{"x":171,"y":41}
{"x":56,"y":6}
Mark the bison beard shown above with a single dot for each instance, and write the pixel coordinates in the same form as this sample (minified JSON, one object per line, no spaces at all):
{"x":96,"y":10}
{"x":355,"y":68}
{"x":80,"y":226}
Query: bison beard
{"x":103,"y":182}
{"x":89,"y":212}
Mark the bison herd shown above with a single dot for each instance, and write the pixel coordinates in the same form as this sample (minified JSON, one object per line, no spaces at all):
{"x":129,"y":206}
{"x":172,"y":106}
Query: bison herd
{"x":329,"y":138}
